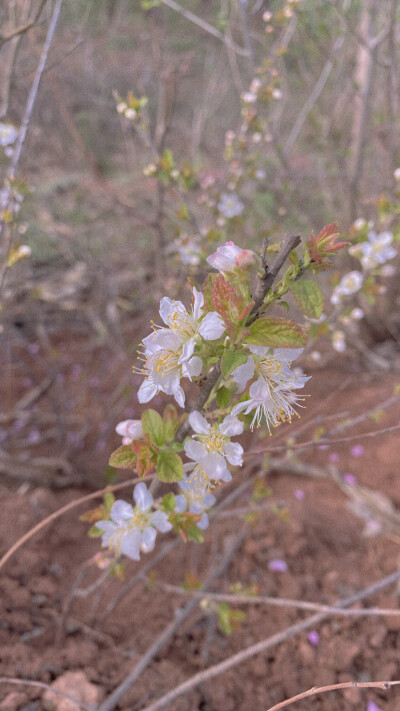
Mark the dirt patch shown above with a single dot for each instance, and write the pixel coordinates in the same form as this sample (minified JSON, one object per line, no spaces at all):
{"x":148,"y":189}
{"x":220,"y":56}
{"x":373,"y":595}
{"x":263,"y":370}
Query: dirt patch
{"x":306,"y":524}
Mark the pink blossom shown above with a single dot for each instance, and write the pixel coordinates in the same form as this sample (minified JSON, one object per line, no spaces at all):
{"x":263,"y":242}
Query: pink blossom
{"x":229,"y":257}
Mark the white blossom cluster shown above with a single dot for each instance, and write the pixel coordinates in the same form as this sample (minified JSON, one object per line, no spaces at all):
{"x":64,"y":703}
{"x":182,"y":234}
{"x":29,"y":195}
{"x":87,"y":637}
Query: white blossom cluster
{"x":374,"y":252}
{"x":175,"y":351}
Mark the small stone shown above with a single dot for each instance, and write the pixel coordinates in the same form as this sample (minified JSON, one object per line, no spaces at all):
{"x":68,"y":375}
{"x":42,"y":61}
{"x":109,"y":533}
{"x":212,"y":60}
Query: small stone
{"x":74,"y":684}
{"x":13,"y":701}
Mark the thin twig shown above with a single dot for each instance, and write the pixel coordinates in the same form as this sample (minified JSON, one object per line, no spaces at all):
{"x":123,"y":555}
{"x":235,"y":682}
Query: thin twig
{"x":265,"y":644}
{"x":278,"y":602}
{"x":270,"y":273}
{"x":180,"y":616}
{"x":334,"y":687}
{"x":204,"y":26}
{"x":25,"y":125}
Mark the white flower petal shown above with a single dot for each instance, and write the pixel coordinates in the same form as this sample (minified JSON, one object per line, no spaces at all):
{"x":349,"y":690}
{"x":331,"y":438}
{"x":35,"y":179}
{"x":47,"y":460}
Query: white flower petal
{"x":203,"y":523}
{"x":130,"y":544}
{"x":147,"y":390}
{"x":215,"y":467}
{"x":198,"y":303}
{"x":179,"y":396}
{"x":193,"y":368}
{"x":180,"y":503}
{"x":130,"y":428}
{"x":167,"y":307}
{"x":231,"y":426}
{"x":159,"y":519}
{"x":195,"y":450}
{"x":243,"y":373}
{"x":198,"y":423}
{"x":187,"y":351}
{"x":142,"y":496}
{"x":234,"y":453}
{"x":212,"y":326}
{"x":121,"y":512}
{"x":148,"y":539}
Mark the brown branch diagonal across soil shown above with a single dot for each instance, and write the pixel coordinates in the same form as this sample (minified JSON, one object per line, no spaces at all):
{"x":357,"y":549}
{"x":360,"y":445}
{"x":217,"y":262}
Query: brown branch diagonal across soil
{"x":276,"y":602}
{"x":265,"y":644}
{"x":180,"y":616}
{"x":335,"y":687}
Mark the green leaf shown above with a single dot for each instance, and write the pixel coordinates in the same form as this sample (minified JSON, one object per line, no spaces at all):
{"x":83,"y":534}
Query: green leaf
{"x":153,"y":425}
{"x":194,"y":534}
{"x":231,"y":360}
{"x":170,"y":418}
{"x":284,"y":304}
{"x":308,"y":296}
{"x":168,"y":502}
{"x":108,"y":499}
{"x":169,"y":466}
{"x":149,"y":4}
{"x":95,"y":532}
{"x":123,"y":458}
{"x":276,"y":333}
{"x":223,"y":397}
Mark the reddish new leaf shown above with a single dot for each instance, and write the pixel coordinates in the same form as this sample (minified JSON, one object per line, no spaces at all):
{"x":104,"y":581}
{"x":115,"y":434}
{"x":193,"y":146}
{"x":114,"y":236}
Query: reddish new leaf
{"x":146,"y":457}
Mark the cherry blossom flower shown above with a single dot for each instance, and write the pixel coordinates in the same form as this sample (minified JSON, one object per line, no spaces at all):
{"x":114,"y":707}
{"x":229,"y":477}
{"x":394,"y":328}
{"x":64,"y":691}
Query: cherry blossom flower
{"x":8,"y":134}
{"x":275,"y":404}
{"x":195,"y":499}
{"x":169,"y":352}
{"x":131,"y":530}
{"x":230,"y":205}
{"x":165,"y":363}
{"x":216,"y":438}
{"x":214,"y":447}
{"x":129,"y":430}
{"x":229,"y":257}
{"x":272,"y":366}
{"x":377,"y":250}
{"x":188,"y":325}
{"x":349,"y":284}
{"x":338,"y":341}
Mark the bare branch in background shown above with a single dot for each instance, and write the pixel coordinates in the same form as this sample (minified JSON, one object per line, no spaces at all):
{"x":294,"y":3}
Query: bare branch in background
{"x":205,"y":26}
{"x":364,"y":73}
{"x":24,"y":130}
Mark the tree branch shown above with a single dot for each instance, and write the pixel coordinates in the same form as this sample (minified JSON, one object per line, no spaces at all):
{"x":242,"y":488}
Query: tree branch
{"x":265,"y":644}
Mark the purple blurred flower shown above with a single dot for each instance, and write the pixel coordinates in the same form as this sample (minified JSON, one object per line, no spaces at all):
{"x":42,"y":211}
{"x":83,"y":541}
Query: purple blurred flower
{"x":334,"y":457}
{"x":357,"y":450}
{"x":33,"y":348}
{"x":76,"y":370}
{"x":33,"y":437}
{"x":19,"y":425}
{"x":371,"y":706}
{"x":350,"y":479}
{"x":277,"y":565}
{"x":313,"y":638}
{"x":299,"y":494}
